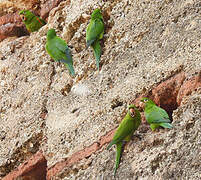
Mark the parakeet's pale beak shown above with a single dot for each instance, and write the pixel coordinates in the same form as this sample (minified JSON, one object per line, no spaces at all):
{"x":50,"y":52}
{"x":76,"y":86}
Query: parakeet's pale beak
{"x":141,"y":104}
{"x":86,"y":16}
{"x":132,"y":112}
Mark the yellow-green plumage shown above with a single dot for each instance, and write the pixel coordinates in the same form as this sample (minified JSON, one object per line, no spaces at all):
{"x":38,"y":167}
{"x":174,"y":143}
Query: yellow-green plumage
{"x":94,"y":33}
{"x":129,"y":124}
{"x":31,"y":21}
{"x":58,"y":50}
{"x":155,"y":115}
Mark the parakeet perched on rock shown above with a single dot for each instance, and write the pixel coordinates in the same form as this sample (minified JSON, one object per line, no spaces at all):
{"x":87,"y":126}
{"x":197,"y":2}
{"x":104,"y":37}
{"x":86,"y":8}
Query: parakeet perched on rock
{"x":155,"y":115}
{"x":128,"y":125}
{"x":94,"y":33}
{"x":58,"y":50}
{"x":32,"y":22}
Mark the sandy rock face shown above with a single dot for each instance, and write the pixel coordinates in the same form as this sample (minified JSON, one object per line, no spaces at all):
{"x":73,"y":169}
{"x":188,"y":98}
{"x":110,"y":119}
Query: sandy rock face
{"x":10,"y":22}
{"x":146,"y":44}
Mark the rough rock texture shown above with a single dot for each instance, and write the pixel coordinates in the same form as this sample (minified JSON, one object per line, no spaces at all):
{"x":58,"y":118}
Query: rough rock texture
{"x":148,"y":47}
{"x":10,"y":22}
{"x":10,"y":6}
{"x":11,"y":25}
{"x":33,"y":169}
{"x":48,"y":6}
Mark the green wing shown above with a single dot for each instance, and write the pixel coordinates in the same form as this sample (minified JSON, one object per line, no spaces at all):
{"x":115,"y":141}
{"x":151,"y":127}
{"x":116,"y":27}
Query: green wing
{"x":97,"y":52}
{"x":94,"y":31}
{"x":61,"y":45}
{"x":126,"y":127}
{"x":59,"y":51}
{"x":118,"y":156}
{"x":55,"y":49}
{"x":35,"y":24}
{"x":41,"y":21}
{"x":157,"y":115}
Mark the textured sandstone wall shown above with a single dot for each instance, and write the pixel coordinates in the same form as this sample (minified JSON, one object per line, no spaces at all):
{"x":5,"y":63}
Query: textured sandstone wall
{"x":149,"y":48}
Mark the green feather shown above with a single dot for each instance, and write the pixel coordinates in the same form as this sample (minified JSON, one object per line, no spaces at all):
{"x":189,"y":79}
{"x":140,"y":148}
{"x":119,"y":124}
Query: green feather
{"x":32,"y":22}
{"x":125,"y":130}
{"x":166,"y":125}
{"x":119,"y":149}
{"x":97,"y":52}
{"x":94,"y":33}
{"x":155,"y":115}
{"x":58,"y":50}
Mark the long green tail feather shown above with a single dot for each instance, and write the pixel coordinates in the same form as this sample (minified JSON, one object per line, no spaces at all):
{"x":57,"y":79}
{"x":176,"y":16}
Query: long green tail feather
{"x":110,"y":145}
{"x":68,"y":54}
{"x":70,"y":68}
{"x":70,"y":61}
{"x":166,"y":125}
{"x":97,"y":52}
{"x":118,"y":156}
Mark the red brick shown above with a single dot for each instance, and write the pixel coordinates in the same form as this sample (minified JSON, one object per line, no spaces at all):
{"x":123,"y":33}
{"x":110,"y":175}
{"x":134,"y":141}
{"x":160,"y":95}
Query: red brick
{"x":188,"y":87}
{"x":35,"y":168}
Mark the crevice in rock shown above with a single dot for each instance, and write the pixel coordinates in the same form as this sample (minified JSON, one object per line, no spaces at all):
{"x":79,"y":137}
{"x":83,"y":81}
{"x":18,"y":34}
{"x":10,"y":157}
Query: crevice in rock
{"x":22,"y":153}
{"x":10,"y":26}
{"x":169,"y":93}
{"x":116,"y":103}
{"x":51,"y":77}
{"x":33,"y":169}
{"x":73,"y":27}
{"x":78,"y":156}
{"x":48,"y":6}
{"x":165,"y":95}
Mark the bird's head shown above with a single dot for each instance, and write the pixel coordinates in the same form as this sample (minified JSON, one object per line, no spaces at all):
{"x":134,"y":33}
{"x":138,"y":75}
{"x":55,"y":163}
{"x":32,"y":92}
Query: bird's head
{"x":146,"y":101}
{"x":51,"y":34}
{"x":96,"y":14}
{"x":132,"y":110}
{"x":25,"y":15}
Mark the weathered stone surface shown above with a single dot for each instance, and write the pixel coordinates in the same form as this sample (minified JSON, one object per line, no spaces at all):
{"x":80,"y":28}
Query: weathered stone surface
{"x":34,"y":169}
{"x":10,"y":18}
{"x":9,"y":30}
{"x":189,"y":86}
{"x":156,"y":155}
{"x":12,"y":6}
{"x":11,"y":25}
{"x":48,"y":6}
{"x":80,"y":155}
{"x":146,"y":43}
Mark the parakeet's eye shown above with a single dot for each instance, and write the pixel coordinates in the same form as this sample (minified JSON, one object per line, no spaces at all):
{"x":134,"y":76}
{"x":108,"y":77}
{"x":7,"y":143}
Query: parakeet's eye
{"x":23,"y":17}
{"x":132,"y":112}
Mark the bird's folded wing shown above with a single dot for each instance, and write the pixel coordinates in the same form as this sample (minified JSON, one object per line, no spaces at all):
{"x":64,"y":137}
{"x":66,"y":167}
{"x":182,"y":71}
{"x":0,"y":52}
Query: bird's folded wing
{"x":156,"y":117}
{"x":94,"y":30}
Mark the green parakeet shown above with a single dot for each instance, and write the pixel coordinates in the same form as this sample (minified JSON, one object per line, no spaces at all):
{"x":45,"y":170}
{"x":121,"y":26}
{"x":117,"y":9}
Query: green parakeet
{"x":32,"y":22}
{"x":155,"y":115}
{"x":58,"y":50}
{"x":94,"y":33}
{"x":128,"y":125}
